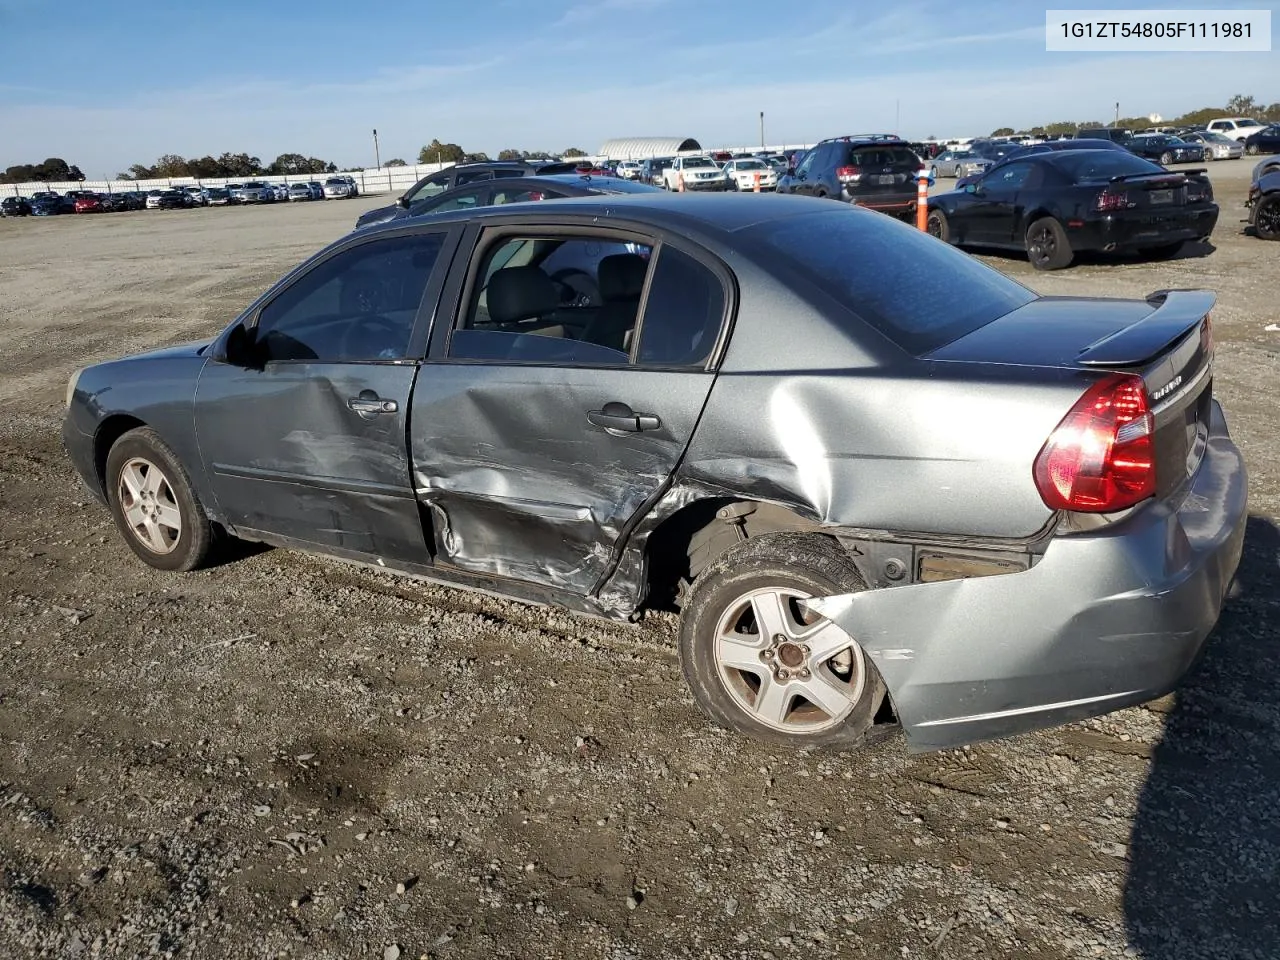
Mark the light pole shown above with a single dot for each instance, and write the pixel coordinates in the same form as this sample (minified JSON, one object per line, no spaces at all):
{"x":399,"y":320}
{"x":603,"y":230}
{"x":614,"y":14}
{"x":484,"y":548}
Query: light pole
{"x":377,"y":157}
{"x":761,"y":129}
{"x":1117,"y":114}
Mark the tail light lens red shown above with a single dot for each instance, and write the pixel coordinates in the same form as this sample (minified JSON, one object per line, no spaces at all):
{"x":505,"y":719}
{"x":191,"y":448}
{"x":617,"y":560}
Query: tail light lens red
{"x":1112,"y":200}
{"x":1206,"y":334}
{"x":1101,"y":458}
{"x":846,"y":174}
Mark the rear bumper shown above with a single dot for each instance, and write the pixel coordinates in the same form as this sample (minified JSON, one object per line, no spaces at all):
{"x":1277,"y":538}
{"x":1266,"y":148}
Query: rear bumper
{"x":1129,"y":232}
{"x":883,"y":202}
{"x":1103,"y":621}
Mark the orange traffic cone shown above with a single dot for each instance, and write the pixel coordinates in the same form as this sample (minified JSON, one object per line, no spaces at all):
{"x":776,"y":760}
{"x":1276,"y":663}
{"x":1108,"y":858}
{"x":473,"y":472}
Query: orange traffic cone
{"x":757,"y":178}
{"x":679,"y":183}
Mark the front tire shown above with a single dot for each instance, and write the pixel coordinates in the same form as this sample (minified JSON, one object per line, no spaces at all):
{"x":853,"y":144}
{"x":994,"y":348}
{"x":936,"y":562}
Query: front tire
{"x":154,"y":505}
{"x":1266,"y":219}
{"x":937,"y":226}
{"x":1047,"y":245}
{"x":759,"y":664}
{"x":1251,"y":149}
{"x":1166,"y":159}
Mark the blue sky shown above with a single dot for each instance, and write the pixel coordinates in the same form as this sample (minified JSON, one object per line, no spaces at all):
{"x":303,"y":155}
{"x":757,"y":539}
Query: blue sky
{"x":102,"y":86}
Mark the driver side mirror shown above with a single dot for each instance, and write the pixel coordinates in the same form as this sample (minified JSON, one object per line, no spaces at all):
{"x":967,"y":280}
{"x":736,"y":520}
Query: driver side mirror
{"x":241,"y":348}
{"x":974,"y":188}
{"x":404,"y":201}
{"x":791,"y":171}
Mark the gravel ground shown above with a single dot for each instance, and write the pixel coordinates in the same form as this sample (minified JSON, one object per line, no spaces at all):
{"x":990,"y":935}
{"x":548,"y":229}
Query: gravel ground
{"x":286,"y":756}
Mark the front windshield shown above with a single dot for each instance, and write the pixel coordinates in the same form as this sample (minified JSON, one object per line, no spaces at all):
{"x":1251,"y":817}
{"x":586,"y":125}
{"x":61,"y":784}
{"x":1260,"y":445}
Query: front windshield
{"x":693,"y":163}
{"x":748,"y":165}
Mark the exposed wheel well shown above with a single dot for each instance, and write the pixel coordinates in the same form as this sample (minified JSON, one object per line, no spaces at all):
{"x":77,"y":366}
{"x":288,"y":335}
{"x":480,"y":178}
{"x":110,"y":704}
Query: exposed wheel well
{"x":691,"y":539}
{"x":109,"y":431}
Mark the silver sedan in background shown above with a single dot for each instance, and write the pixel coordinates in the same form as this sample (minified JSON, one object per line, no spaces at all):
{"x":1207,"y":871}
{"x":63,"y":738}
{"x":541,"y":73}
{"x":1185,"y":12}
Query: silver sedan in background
{"x":1216,"y":145}
{"x":959,"y":163}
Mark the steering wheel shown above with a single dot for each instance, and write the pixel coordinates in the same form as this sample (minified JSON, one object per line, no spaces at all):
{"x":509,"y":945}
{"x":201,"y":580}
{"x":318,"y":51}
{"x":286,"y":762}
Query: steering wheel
{"x":362,"y":338}
{"x":577,"y":288}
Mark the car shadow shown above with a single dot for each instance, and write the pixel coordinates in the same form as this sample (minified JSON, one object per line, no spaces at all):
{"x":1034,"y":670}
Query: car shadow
{"x":1206,"y":837}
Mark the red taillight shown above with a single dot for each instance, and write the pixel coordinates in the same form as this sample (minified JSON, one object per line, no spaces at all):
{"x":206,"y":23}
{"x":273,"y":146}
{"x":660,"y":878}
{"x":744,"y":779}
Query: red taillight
{"x":845,"y":174}
{"x":1101,"y":458}
{"x":1206,"y":334}
{"x":1112,"y":200}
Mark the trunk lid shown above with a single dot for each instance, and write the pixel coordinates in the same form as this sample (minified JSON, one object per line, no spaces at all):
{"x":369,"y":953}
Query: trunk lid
{"x":1166,"y":339}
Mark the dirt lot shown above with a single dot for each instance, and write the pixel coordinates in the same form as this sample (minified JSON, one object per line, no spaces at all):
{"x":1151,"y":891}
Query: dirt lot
{"x":286,"y":756}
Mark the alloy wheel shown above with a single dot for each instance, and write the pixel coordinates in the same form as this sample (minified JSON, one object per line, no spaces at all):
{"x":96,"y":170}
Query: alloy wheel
{"x":787,"y":668}
{"x":1043,"y":245}
{"x":150,"y":509}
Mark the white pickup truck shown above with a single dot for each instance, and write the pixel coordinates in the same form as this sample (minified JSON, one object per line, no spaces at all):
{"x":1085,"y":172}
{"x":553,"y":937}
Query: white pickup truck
{"x":698,"y":173}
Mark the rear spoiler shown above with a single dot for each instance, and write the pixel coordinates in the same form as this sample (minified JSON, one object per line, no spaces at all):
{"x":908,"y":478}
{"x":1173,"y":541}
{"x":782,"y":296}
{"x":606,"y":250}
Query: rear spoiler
{"x":1176,"y":313}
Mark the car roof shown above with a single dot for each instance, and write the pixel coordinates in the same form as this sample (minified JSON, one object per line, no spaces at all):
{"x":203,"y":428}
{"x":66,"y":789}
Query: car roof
{"x":715,"y":213}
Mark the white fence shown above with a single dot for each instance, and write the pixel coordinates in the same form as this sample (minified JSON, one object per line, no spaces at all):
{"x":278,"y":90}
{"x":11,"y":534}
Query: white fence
{"x":386,"y":180}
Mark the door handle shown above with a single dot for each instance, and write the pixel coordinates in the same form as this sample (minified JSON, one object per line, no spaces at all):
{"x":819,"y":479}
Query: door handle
{"x":369,"y":405}
{"x":619,"y":417}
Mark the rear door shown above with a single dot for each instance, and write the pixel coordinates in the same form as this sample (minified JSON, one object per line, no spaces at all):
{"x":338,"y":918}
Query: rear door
{"x":535,"y":452}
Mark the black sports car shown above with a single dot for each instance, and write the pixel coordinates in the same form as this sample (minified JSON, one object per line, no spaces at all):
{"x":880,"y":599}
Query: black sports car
{"x":1166,"y":149}
{"x":15,"y":207}
{"x":1053,"y":205}
{"x":1264,"y":200}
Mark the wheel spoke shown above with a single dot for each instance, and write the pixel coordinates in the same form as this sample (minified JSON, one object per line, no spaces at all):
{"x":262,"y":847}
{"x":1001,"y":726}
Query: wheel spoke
{"x":152,"y":534}
{"x":772,"y":616}
{"x":169,"y":516}
{"x":825,"y":695}
{"x":135,"y":516}
{"x":738,"y":653}
{"x":824,"y":641}
{"x":155,"y":481}
{"x":133,"y":480}
{"x":773,"y":699}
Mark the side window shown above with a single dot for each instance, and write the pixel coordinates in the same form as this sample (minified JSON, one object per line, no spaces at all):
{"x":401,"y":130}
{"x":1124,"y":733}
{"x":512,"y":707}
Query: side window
{"x":1010,"y":177}
{"x":683,"y":312}
{"x":358,"y":305}
{"x":459,"y":201}
{"x":429,"y":189}
{"x":554,"y":300}
{"x":472,"y":176}
{"x":514,"y":194}
{"x":806,"y":164}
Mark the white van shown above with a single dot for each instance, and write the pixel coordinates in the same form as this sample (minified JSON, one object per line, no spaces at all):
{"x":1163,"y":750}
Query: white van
{"x":1237,"y":128}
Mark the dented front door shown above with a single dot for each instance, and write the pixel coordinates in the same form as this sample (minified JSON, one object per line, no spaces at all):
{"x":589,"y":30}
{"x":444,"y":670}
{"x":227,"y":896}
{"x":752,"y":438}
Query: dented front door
{"x":522,"y":473}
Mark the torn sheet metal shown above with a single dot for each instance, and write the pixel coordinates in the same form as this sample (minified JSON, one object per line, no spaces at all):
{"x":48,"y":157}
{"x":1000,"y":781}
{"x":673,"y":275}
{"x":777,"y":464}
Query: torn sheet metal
{"x":1102,"y":621}
{"x":520,"y":484}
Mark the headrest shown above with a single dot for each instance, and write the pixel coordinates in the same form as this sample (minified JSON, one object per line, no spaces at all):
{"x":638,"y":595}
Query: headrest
{"x":519,"y":293}
{"x":622,"y":276}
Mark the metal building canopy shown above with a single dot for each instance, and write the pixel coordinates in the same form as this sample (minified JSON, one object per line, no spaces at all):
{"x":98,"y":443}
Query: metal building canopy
{"x":641,"y":148}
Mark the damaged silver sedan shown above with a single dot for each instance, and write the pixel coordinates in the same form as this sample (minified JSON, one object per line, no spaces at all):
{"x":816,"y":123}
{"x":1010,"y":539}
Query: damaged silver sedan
{"x":881,"y":481}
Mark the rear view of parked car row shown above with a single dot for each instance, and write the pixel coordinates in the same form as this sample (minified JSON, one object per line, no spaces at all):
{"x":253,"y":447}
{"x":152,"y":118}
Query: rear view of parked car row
{"x":49,"y":203}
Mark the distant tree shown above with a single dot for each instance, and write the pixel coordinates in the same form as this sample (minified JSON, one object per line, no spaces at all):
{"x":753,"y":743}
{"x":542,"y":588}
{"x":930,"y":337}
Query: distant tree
{"x":511,"y":154}
{"x":1134,"y":123}
{"x":171,"y":165}
{"x":475,"y":157}
{"x":397,"y":162}
{"x":1271,"y":113}
{"x":1197,"y":118}
{"x":1002,"y":132}
{"x":239,"y":165}
{"x":437,"y":152}
{"x":53,"y":170}
{"x":140,"y":172}
{"x":537,"y":155}
{"x":573,"y":152}
{"x":1241,"y":106}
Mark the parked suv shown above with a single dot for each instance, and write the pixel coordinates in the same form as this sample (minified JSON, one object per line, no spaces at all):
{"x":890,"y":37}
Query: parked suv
{"x":1114,"y":134}
{"x":874,"y":170}
{"x":456,"y":176}
{"x":1237,"y":128}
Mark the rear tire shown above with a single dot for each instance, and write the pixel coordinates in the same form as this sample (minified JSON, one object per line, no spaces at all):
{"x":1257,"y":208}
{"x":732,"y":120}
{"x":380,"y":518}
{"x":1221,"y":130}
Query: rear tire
{"x":1166,"y":159}
{"x":937,"y":226}
{"x":154,"y":505}
{"x":780,"y":675}
{"x":1047,"y":245}
{"x":933,"y":172}
{"x":1251,"y":149}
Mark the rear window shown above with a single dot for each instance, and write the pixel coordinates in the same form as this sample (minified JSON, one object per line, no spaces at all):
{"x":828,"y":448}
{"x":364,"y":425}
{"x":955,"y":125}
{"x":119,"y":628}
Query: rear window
{"x":882,"y":157}
{"x":1083,"y":165}
{"x":917,"y":291}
